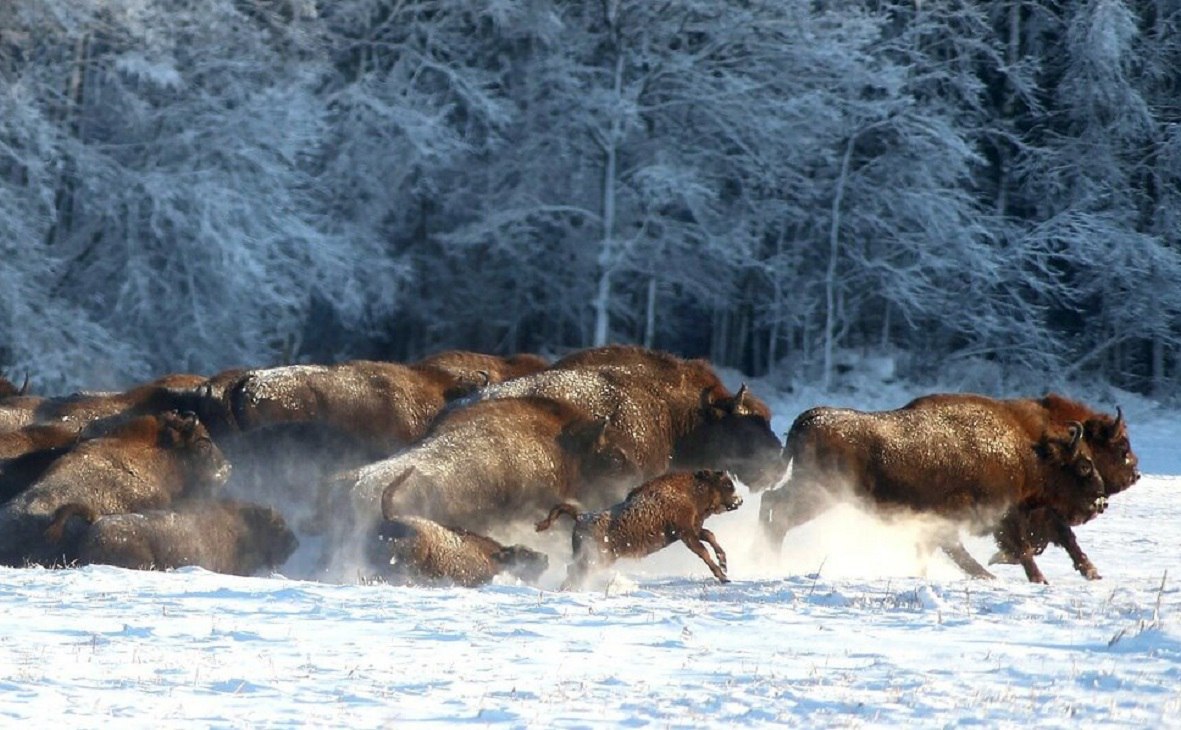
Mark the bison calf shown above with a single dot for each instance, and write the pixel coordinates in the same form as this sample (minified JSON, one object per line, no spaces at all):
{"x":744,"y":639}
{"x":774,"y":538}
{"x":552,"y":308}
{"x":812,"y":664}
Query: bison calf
{"x":653,"y":516}
{"x":222,"y":536}
{"x":421,"y":550}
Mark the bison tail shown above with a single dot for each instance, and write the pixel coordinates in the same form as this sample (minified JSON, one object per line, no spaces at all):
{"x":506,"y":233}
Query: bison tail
{"x":389,"y":506}
{"x":565,"y":508}
{"x":57,"y":525}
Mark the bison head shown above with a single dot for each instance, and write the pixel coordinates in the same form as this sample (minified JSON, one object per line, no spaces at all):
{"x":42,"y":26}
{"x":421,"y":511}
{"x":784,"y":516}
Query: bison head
{"x":723,"y":494}
{"x":733,"y":433}
{"x":522,"y":562}
{"x":1107,"y":438}
{"x":269,"y":538}
{"x":206,"y":467}
{"x":1075,"y":488}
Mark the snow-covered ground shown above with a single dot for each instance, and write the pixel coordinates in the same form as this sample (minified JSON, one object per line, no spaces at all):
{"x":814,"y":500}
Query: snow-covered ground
{"x":845,"y":628}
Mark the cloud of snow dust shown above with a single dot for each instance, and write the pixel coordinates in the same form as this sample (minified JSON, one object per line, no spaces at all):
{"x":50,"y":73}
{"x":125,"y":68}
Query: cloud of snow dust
{"x":847,"y":541}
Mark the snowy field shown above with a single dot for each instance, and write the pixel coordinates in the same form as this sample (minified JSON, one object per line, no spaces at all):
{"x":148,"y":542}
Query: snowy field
{"x":843,"y":629}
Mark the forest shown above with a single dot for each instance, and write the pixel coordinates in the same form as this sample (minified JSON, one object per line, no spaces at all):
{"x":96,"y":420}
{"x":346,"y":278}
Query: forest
{"x":783,"y":187}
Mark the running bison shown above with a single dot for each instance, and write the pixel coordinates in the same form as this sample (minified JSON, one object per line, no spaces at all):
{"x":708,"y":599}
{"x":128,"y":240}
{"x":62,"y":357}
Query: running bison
{"x":143,"y":464}
{"x":383,"y":406}
{"x":417,"y":550}
{"x":28,"y":454}
{"x":664,"y":412}
{"x":967,"y":462}
{"x":82,"y":409}
{"x":480,"y":467}
{"x":1040,"y":522}
{"x":36,"y":437}
{"x":471,"y":371}
{"x":222,"y":536}
{"x":653,"y":516}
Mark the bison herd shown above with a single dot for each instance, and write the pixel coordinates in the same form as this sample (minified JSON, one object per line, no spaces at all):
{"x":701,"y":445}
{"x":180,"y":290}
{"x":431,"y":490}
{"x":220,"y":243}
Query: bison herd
{"x":402,"y":472}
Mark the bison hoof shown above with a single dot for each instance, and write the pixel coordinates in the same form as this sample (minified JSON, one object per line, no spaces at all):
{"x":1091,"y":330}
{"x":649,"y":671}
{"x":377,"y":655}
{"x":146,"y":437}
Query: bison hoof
{"x":1092,"y":574}
{"x":723,"y":579}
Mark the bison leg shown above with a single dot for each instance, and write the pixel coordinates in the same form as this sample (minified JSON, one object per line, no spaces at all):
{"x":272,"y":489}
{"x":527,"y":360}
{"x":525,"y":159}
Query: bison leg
{"x":1032,"y":572}
{"x":576,"y":573}
{"x":790,"y":506}
{"x":960,"y":556}
{"x":693,"y":543}
{"x":1015,"y":536}
{"x":709,"y":537}
{"x":1065,"y":537}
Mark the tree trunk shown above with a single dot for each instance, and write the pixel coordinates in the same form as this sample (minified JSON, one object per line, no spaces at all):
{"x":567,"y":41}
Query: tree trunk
{"x":71,"y":121}
{"x":650,"y":315}
{"x":607,"y":252}
{"x":830,"y":276}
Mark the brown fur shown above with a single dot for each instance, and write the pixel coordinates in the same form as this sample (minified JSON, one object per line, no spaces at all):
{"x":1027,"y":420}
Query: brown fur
{"x":144,"y":463}
{"x":1107,"y":437}
{"x":1106,"y":440}
{"x":82,"y":409}
{"x":662,"y":411}
{"x":35,"y":449}
{"x":19,"y":411}
{"x":419,"y":550}
{"x":383,"y":405}
{"x":653,"y":516}
{"x":480,"y":466}
{"x":471,"y":371}
{"x":8,"y":389}
{"x":222,"y":536}
{"x":36,"y":437}
{"x":965,"y":462}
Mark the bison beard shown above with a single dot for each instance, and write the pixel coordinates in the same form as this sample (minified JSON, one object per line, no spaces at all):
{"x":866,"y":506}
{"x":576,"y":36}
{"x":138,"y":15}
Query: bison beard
{"x":964,"y":462}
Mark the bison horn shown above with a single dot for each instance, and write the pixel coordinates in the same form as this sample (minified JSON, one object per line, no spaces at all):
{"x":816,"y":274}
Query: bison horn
{"x":25,"y":385}
{"x":1119,"y":419}
{"x":601,"y":433}
{"x":1076,"y":434}
{"x":740,"y":397}
{"x":487,"y":378}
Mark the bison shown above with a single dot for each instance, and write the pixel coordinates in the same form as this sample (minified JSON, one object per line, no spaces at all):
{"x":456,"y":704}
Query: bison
{"x":470,"y":371}
{"x":1105,"y":438}
{"x":382,"y":405}
{"x":966,"y":463}
{"x":222,"y":536}
{"x":145,"y":463}
{"x":653,"y":516}
{"x":29,"y":452}
{"x":36,"y":437}
{"x":479,"y":467}
{"x":419,"y":550}
{"x":81,"y":409}
{"x":662,"y":411}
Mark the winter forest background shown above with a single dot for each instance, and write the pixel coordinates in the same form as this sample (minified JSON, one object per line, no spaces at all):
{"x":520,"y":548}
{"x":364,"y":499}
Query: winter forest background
{"x":981,"y":191}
